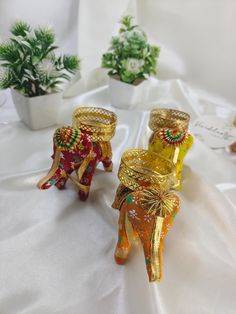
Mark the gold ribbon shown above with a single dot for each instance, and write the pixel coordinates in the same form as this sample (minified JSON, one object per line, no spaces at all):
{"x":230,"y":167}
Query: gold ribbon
{"x":81,"y":171}
{"x":156,"y":254}
{"x":84,"y":164}
{"x":82,"y":187}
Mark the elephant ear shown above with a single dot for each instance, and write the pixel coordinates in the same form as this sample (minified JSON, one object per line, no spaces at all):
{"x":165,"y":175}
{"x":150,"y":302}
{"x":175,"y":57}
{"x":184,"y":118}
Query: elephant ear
{"x":67,"y":138}
{"x":160,"y":203}
{"x":121,"y":193}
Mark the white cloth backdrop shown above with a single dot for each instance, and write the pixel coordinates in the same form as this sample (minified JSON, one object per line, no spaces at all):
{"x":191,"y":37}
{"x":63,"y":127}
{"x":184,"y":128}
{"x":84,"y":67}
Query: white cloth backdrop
{"x":196,"y":37}
{"x":56,"y":253}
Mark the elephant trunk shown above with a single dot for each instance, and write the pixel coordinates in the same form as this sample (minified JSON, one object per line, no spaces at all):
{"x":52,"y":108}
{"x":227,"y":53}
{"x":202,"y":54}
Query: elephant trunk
{"x":54,"y":174}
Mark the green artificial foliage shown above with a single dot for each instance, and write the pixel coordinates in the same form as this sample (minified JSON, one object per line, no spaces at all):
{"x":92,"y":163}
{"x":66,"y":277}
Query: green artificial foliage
{"x":29,"y":63}
{"x":130,"y":56}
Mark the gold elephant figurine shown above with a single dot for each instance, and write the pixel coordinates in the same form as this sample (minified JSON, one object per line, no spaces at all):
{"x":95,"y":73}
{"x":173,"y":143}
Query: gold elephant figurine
{"x":147,"y":207}
{"x":80,"y":148}
{"x":170,"y":137}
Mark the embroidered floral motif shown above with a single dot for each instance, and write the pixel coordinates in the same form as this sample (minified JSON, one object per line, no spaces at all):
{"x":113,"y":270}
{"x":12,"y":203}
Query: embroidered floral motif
{"x":136,"y":199}
{"x":173,"y":136}
{"x":66,"y":137}
{"x":159,"y":203}
{"x":62,"y":156}
{"x":94,"y":154}
{"x":147,"y":218}
{"x":133,"y":214}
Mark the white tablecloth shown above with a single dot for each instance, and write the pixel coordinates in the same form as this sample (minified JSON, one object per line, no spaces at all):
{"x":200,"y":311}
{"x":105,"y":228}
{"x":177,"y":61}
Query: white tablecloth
{"x":56,"y":253}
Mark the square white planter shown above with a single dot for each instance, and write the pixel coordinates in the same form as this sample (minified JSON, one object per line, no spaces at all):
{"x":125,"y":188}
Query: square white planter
{"x":2,"y":97}
{"x":127,"y":96}
{"x":38,"y":112}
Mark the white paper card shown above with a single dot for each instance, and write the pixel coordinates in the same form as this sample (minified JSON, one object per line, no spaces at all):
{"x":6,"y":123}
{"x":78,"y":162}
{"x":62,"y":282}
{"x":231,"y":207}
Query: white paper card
{"x":214,"y":131}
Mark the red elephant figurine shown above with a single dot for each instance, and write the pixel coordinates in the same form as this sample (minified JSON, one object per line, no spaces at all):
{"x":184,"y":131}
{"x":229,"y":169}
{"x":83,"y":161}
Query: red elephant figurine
{"x":75,"y":149}
{"x":147,"y":207}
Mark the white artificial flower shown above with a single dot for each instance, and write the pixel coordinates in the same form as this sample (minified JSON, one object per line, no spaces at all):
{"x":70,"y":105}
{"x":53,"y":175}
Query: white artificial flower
{"x":120,"y":36}
{"x":48,"y":27}
{"x":138,"y":32}
{"x":123,"y":37}
{"x":46,"y":67}
{"x":133,"y":65}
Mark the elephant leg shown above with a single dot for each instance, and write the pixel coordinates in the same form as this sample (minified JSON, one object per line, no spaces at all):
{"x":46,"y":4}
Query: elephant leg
{"x":153,"y":259}
{"x":152,"y":242}
{"x":123,"y":244}
{"x":106,"y":155}
{"x":61,"y":183}
{"x":85,"y":180}
{"x":107,"y":164}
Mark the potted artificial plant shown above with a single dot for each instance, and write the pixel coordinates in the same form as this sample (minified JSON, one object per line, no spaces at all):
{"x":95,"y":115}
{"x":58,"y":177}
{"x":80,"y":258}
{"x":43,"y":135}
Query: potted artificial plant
{"x":34,"y":73}
{"x":130,"y":60}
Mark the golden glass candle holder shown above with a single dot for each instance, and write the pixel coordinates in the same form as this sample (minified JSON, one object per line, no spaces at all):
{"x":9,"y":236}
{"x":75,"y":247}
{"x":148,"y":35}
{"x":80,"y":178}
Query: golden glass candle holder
{"x":99,"y":123}
{"x":140,"y":168}
{"x":170,"y":137}
{"x":147,"y":207}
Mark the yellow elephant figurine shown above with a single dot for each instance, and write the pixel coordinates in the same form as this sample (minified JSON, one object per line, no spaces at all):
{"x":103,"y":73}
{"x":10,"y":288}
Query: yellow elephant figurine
{"x":170,"y":137}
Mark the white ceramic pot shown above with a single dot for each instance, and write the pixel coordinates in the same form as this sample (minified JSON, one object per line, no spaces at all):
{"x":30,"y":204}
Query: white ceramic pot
{"x":38,"y":112}
{"x":2,"y":98}
{"x":127,"y":96}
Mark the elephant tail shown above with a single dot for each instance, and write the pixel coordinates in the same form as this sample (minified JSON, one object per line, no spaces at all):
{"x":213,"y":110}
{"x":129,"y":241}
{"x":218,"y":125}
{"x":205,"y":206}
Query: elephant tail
{"x":106,"y":150}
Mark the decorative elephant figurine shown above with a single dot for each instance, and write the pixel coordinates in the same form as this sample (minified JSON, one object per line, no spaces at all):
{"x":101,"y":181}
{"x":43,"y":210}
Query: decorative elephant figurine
{"x":147,"y":207}
{"x":74,"y":151}
{"x":80,"y":148}
{"x":147,"y":214}
{"x":170,"y":137}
